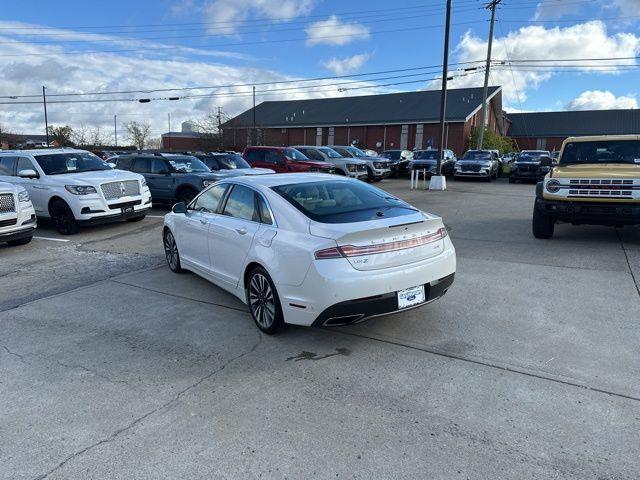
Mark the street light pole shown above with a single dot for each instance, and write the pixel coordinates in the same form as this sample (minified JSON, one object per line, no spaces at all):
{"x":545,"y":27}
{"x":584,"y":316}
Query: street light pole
{"x":255,"y":132}
{"x":115,"y":130}
{"x":46,"y":121}
{"x":438,"y":182}
{"x":485,"y":91}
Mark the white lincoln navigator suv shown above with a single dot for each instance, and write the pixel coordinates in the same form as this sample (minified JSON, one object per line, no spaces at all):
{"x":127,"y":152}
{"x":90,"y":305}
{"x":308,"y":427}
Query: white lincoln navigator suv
{"x":17,"y":216}
{"x":75,"y":187}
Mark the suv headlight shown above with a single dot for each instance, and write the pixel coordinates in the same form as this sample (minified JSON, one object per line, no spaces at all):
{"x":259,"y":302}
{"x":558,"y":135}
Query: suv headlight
{"x":80,"y":189}
{"x":23,"y":196}
{"x":144,"y":182}
{"x":553,"y":186}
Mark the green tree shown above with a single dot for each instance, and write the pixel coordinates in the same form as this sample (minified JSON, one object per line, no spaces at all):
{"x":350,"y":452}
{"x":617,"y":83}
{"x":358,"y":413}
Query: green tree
{"x":492,"y":141}
{"x":61,"y":135}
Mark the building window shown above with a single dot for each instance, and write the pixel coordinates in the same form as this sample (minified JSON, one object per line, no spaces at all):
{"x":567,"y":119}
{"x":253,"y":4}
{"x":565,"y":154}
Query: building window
{"x":541,"y":144}
{"x":318,"y":137}
{"x":404,"y":137}
{"x":332,"y":136}
{"x":419,"y":135}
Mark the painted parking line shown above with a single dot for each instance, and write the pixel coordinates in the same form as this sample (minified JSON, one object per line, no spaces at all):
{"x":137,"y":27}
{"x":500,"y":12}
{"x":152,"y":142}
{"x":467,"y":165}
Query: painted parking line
{"x":51,"y":239}
{"x":155,"y":216}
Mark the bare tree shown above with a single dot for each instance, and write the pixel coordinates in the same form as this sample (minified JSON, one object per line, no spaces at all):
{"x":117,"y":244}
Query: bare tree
{"x":79,"y":135}
{"x":138,"y":133}
{"x":97,"y":137}
{"x":209,"y":128}
{"x":155,"y":143}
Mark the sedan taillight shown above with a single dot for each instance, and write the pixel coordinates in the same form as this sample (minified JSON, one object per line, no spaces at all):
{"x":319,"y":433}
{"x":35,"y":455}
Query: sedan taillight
{"x":355,"y":251}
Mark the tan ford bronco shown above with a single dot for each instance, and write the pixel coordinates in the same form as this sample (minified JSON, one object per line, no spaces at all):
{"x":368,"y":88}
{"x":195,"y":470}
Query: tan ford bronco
{"x":596,"y":182}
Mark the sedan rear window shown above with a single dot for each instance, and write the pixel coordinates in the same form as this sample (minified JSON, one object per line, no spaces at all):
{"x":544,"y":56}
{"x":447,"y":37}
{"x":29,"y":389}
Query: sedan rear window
{"x":342,"y":201}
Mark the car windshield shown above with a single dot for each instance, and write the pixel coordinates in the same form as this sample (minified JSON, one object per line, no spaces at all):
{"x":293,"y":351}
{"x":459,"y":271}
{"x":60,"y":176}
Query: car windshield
{"x":231,"y":162}
{"x":330,"y":152}
{"x":71,"y":162}
{"x":426,"y":155}
{"x":187,"y":164}
{"x":477,"y":155}
{"x":342,"y":201}
{"x":294,"y":154}
{"x":357,"y":152}
{"x":603,"y":151}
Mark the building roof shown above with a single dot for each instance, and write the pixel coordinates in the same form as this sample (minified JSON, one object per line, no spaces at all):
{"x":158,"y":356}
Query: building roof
{"x":394,"y":108}
{"x":185,"y":135}
{"x":574,"y":123}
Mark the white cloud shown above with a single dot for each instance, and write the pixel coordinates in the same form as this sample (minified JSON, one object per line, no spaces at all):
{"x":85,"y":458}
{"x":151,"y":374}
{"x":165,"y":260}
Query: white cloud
{"x":225,"y":16}
{"x":23,"y":73}
{"x":601,"y":100}
{"x":333,"y":31}
{"x":588,"y":40}
{"x":553,"y":9}
{"x":342,"y":66}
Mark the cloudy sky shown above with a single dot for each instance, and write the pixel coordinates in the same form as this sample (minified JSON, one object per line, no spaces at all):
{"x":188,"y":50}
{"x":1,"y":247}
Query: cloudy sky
{"x":218,"y":49}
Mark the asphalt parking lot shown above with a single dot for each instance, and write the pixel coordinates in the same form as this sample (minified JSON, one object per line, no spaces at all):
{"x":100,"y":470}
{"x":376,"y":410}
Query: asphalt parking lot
{"x":113,"y":367}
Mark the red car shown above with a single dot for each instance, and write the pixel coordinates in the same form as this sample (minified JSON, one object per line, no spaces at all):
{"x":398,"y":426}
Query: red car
{"x":284,"y":160}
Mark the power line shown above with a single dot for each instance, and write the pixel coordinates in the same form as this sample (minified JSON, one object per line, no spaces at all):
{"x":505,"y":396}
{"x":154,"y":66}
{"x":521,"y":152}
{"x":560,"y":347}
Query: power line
{"x":235,"y":22}
{"x":215,"y":46}
{"x":234,"y":85}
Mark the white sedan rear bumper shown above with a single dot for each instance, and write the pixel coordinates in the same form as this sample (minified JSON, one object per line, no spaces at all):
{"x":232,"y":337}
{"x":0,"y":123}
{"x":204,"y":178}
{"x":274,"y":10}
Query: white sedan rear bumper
{"x":335,"y":293}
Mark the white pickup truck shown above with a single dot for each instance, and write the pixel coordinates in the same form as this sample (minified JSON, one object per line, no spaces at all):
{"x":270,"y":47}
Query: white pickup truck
{"x":75,"y":187}
{"x":17,"y":216}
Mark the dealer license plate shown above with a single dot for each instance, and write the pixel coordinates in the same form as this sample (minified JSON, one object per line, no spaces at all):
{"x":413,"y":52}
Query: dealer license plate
{"x":410,"y":297}
{"x":128,"y":209}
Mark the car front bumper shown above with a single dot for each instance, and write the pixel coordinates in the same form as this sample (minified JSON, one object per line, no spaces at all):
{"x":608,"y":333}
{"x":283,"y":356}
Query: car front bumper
{"x":102,"y":219}
{"x":333,"y":288}
{"x":480,"y":174}
{"x":92,"y":208}
{"x":18,"y":234}
{"x":360,"y":175}
{"x":591,"y":213}
{"x":384,"y":173}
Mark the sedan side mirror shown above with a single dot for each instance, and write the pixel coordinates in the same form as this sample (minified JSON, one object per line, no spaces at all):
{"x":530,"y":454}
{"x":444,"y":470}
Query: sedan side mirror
{"x":546,"y":162}
{"x":179,"y":207}
{"x":29,"y":173}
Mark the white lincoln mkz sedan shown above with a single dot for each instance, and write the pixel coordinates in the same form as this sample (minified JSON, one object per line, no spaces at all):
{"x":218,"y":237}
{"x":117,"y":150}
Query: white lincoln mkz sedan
{"x":311,"y":249}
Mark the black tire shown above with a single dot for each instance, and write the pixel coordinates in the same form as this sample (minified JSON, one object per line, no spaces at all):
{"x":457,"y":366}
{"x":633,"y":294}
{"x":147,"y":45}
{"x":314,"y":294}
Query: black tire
{"x":542,"y":224}
{"x":512,"y":180}
{"x":370,"y":177}
{"x":171,"y":253}
{"x":263,"y":301}
{"x":22,"y":241}
{"x":186,"y":195}
{"x":488,"y":178}
{"x":136,"y":219}
{"x":63,"y":219}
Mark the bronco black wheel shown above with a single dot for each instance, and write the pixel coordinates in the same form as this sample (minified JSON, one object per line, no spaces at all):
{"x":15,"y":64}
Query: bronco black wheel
{"x":542,"y":225}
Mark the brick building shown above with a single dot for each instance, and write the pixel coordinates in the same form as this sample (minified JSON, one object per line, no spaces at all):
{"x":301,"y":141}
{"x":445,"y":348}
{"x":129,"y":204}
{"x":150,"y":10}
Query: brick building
{"x":391,"y":121}
{"x":547,"y":130}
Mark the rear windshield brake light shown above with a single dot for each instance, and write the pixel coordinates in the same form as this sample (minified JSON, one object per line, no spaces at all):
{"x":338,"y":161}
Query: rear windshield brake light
{"x":355,"y":251}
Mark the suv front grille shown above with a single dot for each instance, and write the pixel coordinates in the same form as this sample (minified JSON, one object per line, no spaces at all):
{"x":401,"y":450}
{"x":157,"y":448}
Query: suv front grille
{"x":7,"y":203}
{"x":602,"y":188}
{"x":116,"y":190}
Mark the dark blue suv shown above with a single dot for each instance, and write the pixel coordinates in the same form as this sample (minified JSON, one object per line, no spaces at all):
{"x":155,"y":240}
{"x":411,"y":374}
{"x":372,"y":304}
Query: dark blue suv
{"x":170,"y":177}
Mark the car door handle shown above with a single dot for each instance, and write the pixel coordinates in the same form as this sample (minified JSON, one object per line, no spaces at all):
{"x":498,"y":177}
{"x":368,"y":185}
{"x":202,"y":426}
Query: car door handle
{"x":241,"y":231}
{"x":203,"y":221}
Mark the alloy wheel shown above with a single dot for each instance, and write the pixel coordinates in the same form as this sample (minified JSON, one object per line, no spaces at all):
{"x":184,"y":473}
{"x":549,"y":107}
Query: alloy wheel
{"x":262,"y":301}
{"x":171,"y":251}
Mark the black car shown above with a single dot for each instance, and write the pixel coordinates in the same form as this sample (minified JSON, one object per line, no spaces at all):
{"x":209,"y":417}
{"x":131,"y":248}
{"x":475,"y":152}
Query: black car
{"x":399,"y":164}
{"x":528,"y":167}
{"x":170,"y":177}
{"x":429,"y":159}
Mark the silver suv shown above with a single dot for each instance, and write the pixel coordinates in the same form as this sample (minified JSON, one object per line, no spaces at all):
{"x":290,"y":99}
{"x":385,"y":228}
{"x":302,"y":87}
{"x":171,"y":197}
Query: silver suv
{"x":377,"y":167}
{"x":17,"y":216}
{"x":348,"y":166}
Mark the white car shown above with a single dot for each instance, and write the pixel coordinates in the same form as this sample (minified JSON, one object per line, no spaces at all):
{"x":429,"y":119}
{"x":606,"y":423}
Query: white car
{"x":17,"y":216}
{"x":75,"y":187}
{"x":311,"y":249}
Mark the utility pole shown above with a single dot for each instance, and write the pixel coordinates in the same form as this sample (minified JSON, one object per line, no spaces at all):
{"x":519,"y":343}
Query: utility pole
{"x":443,"y":101}
{"x":492,"y":5}
{"x":46,"y":121}
{"x":169,"y":136}
{"x":220,"y":128}
{"x":255,"y":132}
{"x":115,"y":130}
